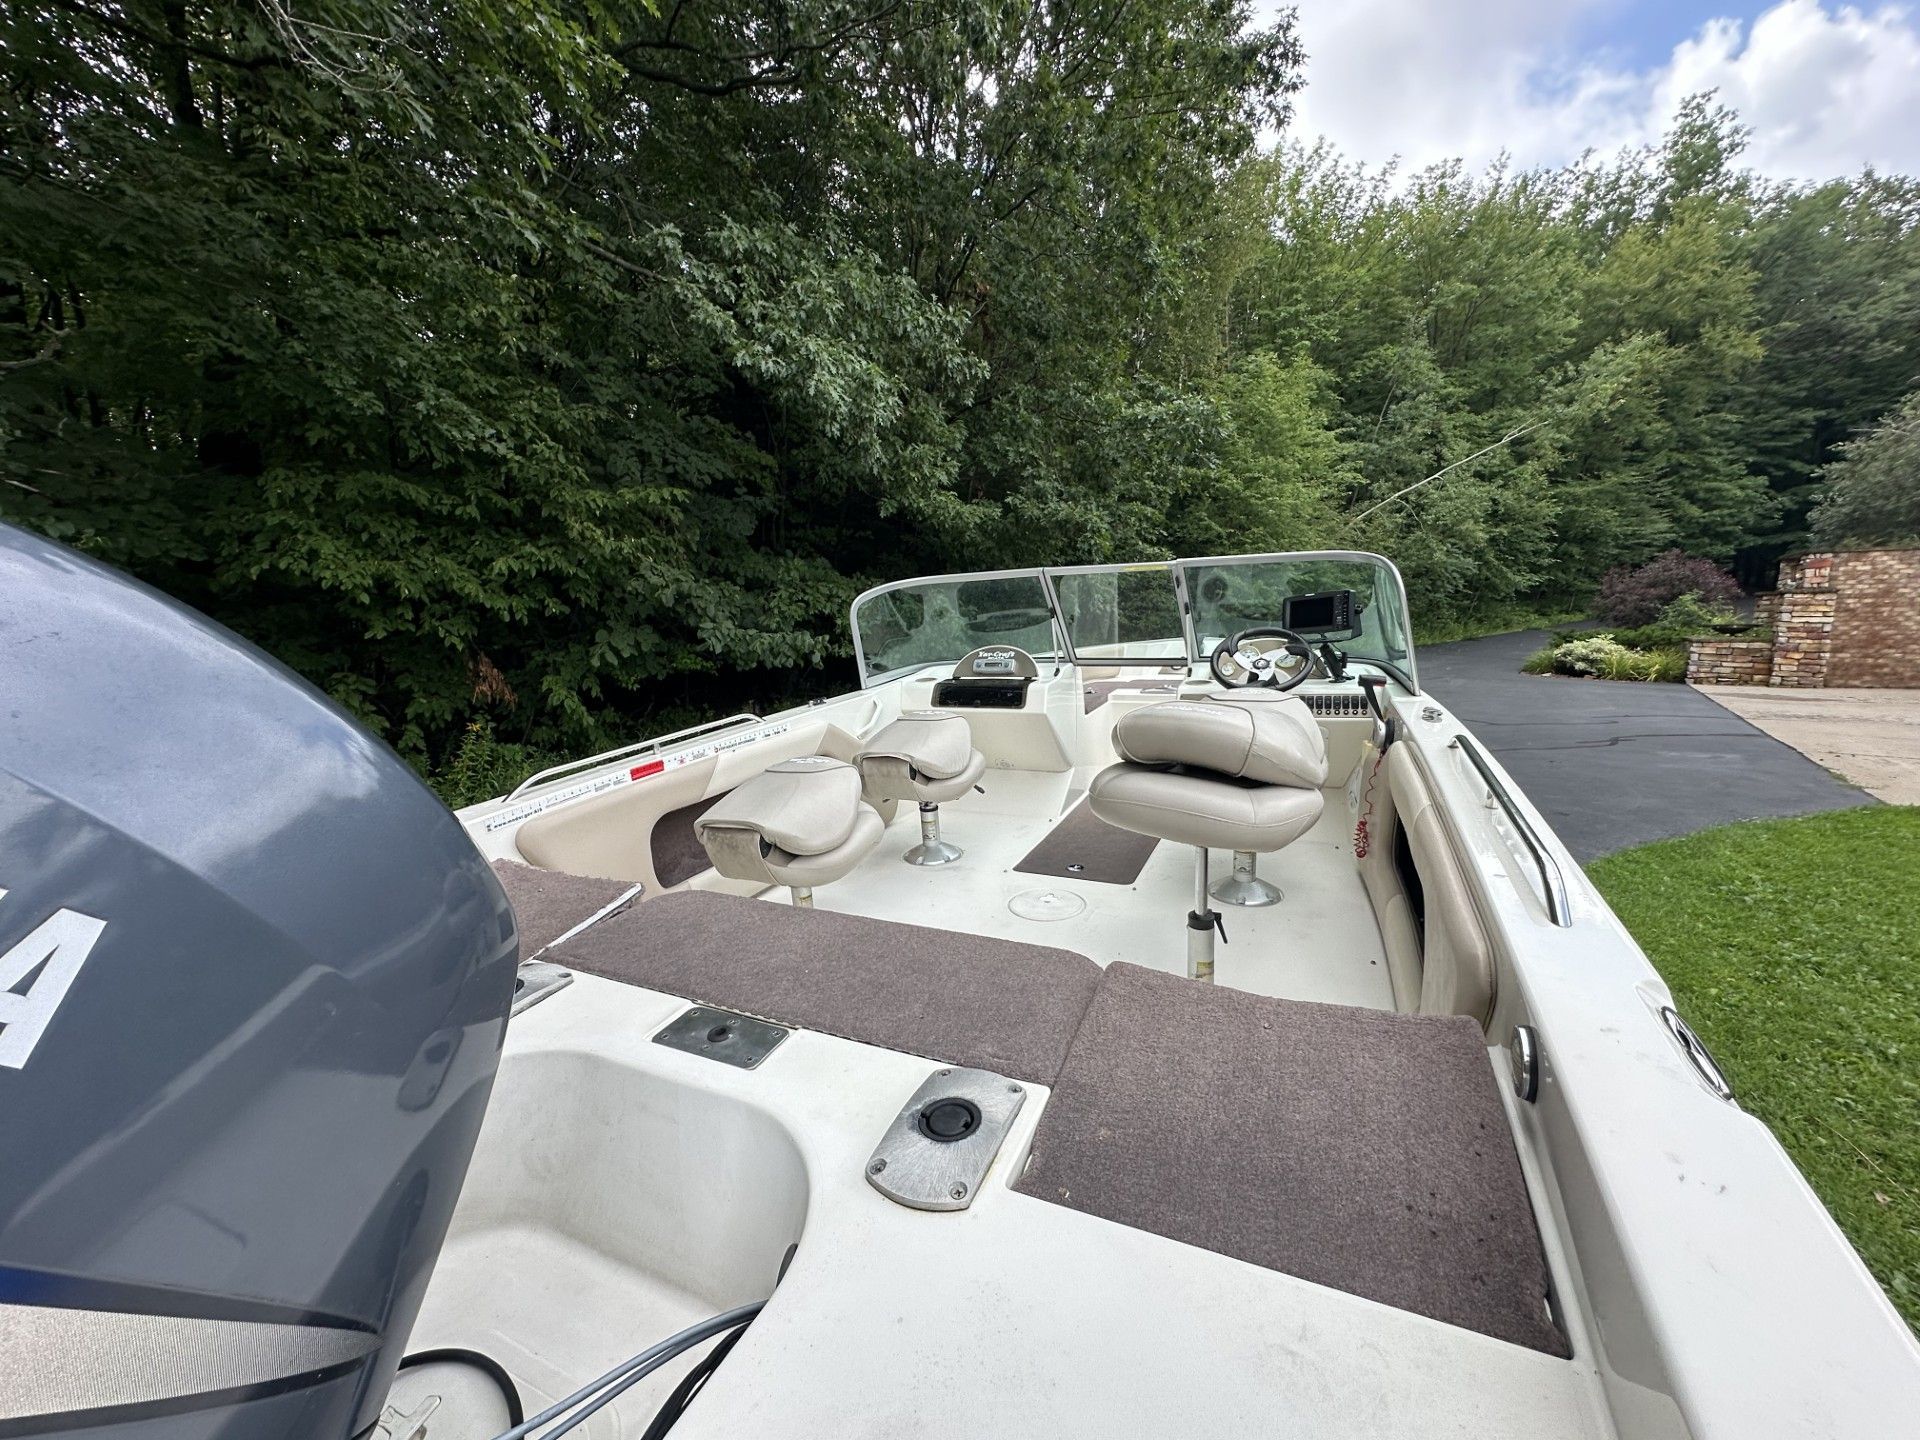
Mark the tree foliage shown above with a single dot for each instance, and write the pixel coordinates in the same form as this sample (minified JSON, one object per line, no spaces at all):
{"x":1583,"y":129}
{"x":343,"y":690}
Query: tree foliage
{"x":1872,"y":492}
{"x":528,"y":374}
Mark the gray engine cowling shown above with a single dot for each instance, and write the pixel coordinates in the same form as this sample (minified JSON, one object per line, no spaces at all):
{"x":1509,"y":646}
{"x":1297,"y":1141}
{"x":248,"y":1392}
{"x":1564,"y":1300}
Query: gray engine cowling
{"x":253,"y":984}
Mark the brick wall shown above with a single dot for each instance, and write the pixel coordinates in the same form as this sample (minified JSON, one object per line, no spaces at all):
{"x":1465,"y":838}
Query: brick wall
{"x":1876,"y":619}
{"x":1729,"y":662}
{"x":1845,"y":618}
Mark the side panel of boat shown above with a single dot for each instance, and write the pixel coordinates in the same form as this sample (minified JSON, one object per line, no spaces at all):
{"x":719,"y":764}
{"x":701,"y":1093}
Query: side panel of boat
{"x":1699,"y":1271}
{"x":253,"y":985}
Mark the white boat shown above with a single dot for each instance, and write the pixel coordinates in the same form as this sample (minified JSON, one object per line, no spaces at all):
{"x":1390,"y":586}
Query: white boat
{"x":1137,"y":1010}
{"x":1420,"y":1148}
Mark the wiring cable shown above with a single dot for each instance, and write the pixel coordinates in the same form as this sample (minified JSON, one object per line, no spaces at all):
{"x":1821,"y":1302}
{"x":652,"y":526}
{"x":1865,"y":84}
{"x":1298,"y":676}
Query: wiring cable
{"x":485,"y":1364}
{"x":600,"y":1392}
{"x":690,"y":1385}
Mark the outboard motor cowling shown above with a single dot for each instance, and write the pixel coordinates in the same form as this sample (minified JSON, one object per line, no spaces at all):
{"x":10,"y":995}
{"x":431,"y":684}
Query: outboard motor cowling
{"x":253,"y":984}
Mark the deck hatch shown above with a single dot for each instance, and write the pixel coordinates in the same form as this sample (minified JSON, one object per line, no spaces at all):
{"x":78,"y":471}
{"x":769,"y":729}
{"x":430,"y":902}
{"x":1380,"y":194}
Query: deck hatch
{"x":738,"y":1040}
{"x":937,"y":1151}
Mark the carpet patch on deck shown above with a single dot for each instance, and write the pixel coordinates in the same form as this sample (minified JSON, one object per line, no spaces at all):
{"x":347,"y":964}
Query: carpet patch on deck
{"x":1082,"y":846}
{"x":960,"y":999}
{"x":548,"y":903}
{"x":1357,"y":1149}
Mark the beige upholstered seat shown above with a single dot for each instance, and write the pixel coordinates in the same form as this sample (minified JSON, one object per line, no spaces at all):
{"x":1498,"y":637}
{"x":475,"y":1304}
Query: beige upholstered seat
{"x":1240,"y":770}
{"x":800,"y":823}
{"x":1195,"y":809}
{"x":926,"y":756}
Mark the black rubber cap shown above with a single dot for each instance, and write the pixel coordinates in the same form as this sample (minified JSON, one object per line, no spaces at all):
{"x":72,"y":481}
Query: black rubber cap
{"x":949,"y":1120}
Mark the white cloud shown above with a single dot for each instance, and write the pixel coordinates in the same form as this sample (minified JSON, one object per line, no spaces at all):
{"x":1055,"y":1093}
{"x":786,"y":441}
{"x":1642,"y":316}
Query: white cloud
{"x":1824,"y":90}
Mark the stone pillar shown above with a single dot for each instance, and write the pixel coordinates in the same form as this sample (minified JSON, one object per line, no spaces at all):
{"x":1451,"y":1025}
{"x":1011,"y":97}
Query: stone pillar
{"x":1803,"y":623}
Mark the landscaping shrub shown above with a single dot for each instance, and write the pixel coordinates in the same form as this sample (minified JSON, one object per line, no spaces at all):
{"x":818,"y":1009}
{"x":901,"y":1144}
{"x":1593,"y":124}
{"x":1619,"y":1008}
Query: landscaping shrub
{"x":1604,"y":657}
{"x":1592,"y":655}
{"x":1637,"y":596}
{"x":1679,"y":621}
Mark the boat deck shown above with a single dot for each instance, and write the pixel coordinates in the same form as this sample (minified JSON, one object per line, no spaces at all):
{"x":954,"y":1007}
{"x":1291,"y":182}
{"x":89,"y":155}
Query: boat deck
{"x":1320,"y":943}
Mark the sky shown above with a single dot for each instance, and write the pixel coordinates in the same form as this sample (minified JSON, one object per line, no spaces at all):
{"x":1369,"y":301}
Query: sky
{"x":1825,"y":87}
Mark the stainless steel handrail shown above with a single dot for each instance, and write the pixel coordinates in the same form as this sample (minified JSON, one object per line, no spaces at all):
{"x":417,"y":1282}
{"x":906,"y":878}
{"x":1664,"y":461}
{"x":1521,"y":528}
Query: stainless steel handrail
{"x":658,"y":743}
{"x":1559,"y":911}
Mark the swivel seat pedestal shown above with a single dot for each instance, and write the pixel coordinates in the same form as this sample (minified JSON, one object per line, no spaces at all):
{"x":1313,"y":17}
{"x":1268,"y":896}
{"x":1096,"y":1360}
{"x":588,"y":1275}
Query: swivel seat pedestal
{"x":1216,"y":775}
{"x":1244,"y":887}
{"x":925,"y":756}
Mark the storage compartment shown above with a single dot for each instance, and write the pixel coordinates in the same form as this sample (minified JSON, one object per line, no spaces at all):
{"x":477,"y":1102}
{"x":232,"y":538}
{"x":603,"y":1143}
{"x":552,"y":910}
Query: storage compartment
{"x":605,"y":1209}
{"x":982,"y":694}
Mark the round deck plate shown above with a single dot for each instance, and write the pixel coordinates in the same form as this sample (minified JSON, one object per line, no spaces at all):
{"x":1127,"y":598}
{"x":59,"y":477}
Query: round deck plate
{"x":1046,"y":904}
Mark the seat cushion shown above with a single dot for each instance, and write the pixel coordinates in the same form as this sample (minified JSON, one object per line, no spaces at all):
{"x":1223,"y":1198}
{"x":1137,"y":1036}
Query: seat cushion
{"x":937,"y":743}
{"x":887,"y":777}
{"x":790,"y":869}
{"x":1200,"y":808}
{"x":1275,"y":742}
{"x":805,"y":806}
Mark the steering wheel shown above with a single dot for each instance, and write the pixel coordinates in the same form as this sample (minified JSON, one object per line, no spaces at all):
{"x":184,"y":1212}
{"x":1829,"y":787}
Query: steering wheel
{"x":1237,"y":664}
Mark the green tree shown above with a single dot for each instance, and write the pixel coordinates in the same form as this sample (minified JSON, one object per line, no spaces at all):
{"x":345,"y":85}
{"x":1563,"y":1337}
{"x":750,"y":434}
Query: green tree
{"x":1871,"y":494}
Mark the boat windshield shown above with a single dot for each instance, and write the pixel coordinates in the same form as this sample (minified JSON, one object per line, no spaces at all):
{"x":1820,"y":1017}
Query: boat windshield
{"x":1120,"y":612}
{"x":913,"y":623}
{"x":1154,"y":613}
{"x":1353,"y":601}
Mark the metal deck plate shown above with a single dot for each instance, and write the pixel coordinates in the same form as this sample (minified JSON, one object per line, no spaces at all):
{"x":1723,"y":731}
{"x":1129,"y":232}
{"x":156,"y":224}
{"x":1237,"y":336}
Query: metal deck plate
{"x":722,"y":1035}
{"x":535,"y":981}
{"x":918,"y":1169}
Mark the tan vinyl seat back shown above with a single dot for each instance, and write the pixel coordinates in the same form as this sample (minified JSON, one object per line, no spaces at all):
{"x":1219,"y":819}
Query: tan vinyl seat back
{"x":1271,"y":742}
{"x":617,"y":834}
{"x":925,"y":756}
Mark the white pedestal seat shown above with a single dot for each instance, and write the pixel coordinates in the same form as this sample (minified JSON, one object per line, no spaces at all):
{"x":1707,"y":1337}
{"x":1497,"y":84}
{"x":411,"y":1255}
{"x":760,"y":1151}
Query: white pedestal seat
{"x":799,"y":823}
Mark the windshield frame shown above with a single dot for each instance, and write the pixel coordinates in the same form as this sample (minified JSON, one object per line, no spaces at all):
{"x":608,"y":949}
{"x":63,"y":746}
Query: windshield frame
{"x":1176,"y":570}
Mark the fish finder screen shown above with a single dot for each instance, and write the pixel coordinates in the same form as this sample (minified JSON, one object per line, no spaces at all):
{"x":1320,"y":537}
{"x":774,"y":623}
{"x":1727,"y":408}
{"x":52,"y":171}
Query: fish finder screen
{"x":1320,"y":614}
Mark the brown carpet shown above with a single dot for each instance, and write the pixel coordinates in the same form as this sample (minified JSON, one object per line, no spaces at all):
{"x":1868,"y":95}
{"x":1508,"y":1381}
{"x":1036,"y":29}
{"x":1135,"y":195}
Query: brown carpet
{"x":1356,"y":1149}
{"x":548,"y":903}
{"x":1082,"y":846}
{"x":959,"y":999}
{"x":677,"y":852}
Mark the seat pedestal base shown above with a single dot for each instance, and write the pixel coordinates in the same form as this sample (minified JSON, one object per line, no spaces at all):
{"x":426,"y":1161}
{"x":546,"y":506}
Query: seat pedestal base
{"x":1202,"y":921}
{"x":1243,"y":887}
{"x":932,"y":850}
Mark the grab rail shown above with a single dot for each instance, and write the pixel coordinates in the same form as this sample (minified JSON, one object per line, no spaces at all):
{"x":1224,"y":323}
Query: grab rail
{"x":1554,"y":884}
{"x":656,"y":745}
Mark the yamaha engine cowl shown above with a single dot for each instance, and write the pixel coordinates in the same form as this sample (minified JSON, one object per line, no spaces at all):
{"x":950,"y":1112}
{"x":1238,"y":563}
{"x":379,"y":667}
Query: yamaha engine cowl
{"x":253,"y":985}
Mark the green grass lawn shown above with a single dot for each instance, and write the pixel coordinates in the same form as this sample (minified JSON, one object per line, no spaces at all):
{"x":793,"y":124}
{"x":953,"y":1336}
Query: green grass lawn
{"x":1793,"y":948}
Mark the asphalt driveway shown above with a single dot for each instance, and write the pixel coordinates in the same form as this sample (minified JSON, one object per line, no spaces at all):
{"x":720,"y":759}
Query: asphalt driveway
{"x":1613,"y":763}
